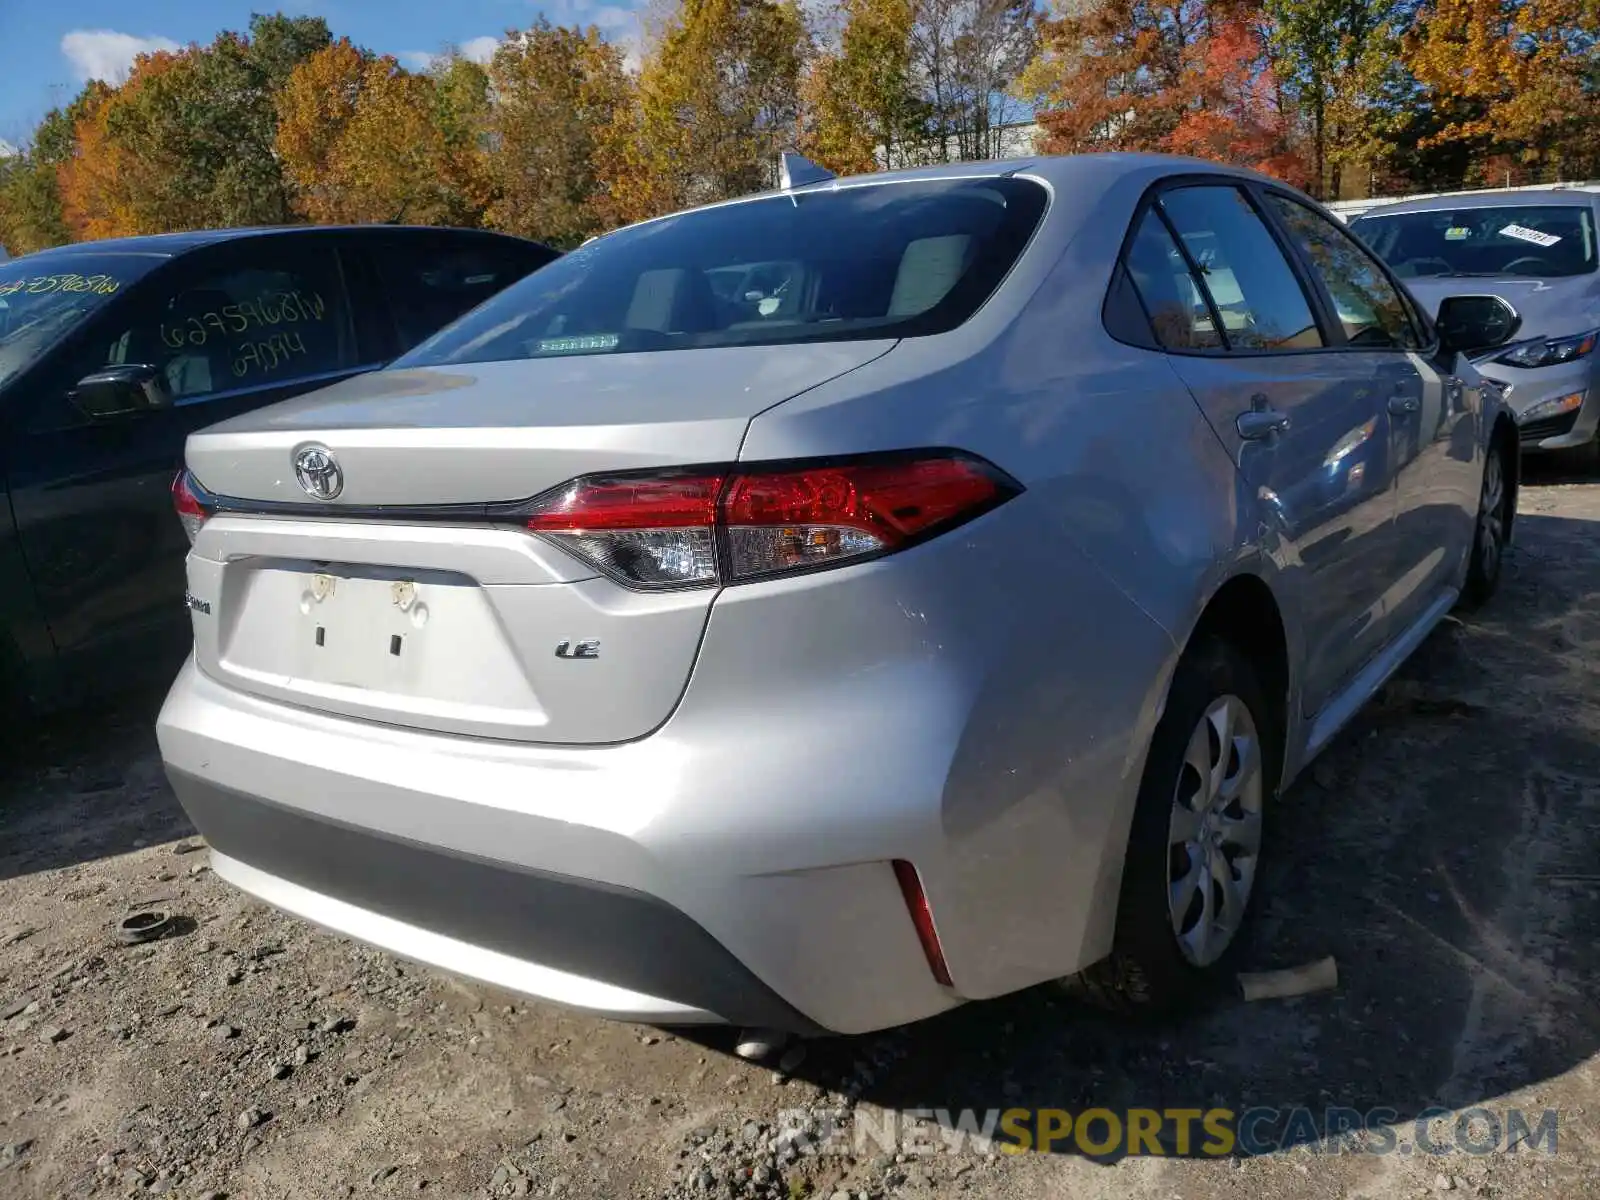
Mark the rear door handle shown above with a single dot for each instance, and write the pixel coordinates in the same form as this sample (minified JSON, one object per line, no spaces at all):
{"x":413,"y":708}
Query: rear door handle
{"x":1260,"y":423}
{"x":1401,"y":404}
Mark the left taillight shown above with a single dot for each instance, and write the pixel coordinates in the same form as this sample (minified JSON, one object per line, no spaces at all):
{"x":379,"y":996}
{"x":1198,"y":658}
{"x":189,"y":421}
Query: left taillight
{"x":187,"y":504}
{"x":745,"y":522}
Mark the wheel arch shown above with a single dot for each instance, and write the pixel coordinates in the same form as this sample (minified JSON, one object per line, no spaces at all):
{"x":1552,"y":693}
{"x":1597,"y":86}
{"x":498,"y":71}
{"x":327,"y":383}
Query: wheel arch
{"x":1244,"y":612}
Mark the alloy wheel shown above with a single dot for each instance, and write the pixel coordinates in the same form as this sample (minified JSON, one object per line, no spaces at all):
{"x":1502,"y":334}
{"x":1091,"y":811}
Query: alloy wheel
{"x":1491,"y":516}
{"x":1214,"y":836}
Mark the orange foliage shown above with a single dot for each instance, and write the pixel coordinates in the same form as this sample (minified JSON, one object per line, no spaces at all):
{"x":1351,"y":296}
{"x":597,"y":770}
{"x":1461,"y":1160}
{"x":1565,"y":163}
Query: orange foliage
{"x":109,"y":187}
{"x":360,"y":142}
{"x":1236,"y":116}
{"x":1179,"y":76}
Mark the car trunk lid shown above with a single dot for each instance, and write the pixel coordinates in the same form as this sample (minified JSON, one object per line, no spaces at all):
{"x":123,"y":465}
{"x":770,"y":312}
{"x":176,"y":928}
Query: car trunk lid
{"x":412,"y":596}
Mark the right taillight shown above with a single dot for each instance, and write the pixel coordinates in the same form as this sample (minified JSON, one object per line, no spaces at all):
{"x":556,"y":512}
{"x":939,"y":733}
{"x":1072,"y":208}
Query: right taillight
{"x":688,"y":529}
{"x":187,"y":504}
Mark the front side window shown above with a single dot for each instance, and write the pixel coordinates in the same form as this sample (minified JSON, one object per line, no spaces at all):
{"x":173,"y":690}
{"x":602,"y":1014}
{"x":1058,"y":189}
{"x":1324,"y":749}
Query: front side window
{"x":885,"y":260}
{"x":1243,"y":270}
{"x":1369,"y":306}
{"x":42,"y":300}
{"x":1539,"y":241}
{"x":251,"y":325}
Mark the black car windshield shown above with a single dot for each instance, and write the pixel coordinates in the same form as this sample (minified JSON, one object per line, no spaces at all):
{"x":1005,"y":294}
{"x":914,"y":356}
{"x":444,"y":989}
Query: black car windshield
{"x":44,"y":299}
{"x":884,"y":260}
{"x":1544,"y":241}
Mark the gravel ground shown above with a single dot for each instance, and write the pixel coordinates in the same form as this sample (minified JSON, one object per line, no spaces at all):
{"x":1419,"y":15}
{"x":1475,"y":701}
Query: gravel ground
{"x":1443,"y":851}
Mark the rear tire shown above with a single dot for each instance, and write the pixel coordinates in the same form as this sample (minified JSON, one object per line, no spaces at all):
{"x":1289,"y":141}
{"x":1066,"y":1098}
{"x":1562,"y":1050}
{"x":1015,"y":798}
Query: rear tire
{"x":1489,"y":530}
{"x":1212,"y":770}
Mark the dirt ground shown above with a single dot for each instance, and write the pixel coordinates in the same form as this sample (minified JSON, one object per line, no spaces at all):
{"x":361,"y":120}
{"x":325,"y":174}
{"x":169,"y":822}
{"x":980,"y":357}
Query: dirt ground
{"x":1443,"y":851}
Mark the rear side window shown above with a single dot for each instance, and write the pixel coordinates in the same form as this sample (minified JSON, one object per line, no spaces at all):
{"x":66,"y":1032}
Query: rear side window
{"x":869,"y":261}
{"x":1178,"y":312}
{"x":1243,"y":270}
{"x":429,"y":284}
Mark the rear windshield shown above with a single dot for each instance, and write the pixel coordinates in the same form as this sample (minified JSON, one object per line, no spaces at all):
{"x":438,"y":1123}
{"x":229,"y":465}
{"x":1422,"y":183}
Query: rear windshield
{"x":44,"y":299}
{"x":877,"y":261}
{"x":1544,"y":241}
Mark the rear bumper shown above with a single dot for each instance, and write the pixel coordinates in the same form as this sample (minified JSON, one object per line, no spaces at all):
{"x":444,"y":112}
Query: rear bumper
{"x":596,"y":879}
{"x":575,"y":942}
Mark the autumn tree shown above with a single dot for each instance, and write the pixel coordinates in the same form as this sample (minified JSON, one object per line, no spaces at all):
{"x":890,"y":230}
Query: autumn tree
{"x":718,"y":101}
{"x":1181,"y":76}
{"x":556,"y":92}
{"x":1515,"y":78}
{"x":1237,"y":113}
{"x":187,"y":141}
{"x":863,"y":98}
{"x":461,"y":105}
{"x":1109,"y":75}
{"x":107,"y":188}
{"x":30,"y":197}
{"x":361,"y":141}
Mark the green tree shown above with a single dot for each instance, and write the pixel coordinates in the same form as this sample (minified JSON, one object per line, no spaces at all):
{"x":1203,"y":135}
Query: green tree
{"x":863,"y":98}
{"x":1339,"y":60}
{"x":557,"y":91}
{"x":30,"y":196}
{"x":718,"y":102}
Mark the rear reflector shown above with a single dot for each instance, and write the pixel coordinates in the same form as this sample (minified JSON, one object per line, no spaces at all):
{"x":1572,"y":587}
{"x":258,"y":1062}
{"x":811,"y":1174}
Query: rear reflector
{"x":922,"y":918}
{"x":187,"y":505}
{"x":730,"y":525}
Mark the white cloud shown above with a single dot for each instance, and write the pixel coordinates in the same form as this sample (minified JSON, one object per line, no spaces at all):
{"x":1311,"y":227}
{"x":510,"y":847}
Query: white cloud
{"x":479,"y":49}
{"x":106,"y":54}
{"x":7,"y":150}
{"x":609,"y":16}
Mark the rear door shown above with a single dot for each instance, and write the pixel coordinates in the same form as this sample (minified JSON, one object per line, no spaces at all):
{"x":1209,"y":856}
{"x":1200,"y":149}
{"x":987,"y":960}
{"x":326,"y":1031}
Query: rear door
{"x":1249,"y":336}
{"x":1432,"y":440}
{"x":232,"y":327}
{"x":425,"y":280}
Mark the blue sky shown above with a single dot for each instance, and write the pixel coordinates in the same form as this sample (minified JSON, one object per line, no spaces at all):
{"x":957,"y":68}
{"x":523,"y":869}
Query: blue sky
{"x":48,"y":50}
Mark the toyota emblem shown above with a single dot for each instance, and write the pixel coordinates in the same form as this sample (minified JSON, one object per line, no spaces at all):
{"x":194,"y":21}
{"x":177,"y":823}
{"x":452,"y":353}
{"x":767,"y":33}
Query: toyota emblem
{"x":318,"y":472}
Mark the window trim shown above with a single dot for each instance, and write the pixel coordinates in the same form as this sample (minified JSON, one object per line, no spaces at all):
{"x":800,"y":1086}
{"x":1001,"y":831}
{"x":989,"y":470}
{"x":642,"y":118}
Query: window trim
{"x":1423,"y":327}
{"x":1321,"y":312}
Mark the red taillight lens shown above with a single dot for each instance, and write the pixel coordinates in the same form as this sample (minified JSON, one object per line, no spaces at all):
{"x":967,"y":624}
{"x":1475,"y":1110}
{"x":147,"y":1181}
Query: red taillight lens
{"x":922,"y":918}
{"x":662,"y":530}
{"x":187,"y":505}
{"x":788,"y":519}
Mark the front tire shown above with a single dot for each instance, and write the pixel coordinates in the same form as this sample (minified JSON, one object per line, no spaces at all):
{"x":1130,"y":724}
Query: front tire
{"x":1194,"y":849}
{"x":1489,"y":532}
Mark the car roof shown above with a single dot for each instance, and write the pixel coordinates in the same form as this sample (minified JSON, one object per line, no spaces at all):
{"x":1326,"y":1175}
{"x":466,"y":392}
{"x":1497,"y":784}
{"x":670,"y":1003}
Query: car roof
{"x":170,"y":245}
{"x":1562,"y":197}
{"x":1066,"y":173}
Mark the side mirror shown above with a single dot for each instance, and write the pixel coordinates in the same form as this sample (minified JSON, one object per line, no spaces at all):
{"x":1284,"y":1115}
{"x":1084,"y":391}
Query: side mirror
{"x":121,"y":391}
{"x":1471,"y":323}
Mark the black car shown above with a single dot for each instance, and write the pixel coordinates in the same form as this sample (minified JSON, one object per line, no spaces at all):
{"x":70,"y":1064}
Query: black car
{"x":112,"y":353}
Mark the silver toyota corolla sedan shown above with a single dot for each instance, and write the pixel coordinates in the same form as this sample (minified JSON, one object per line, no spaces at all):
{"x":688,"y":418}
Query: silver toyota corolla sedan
{"x":1538,"y":251}
{"x":817,"y":610}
